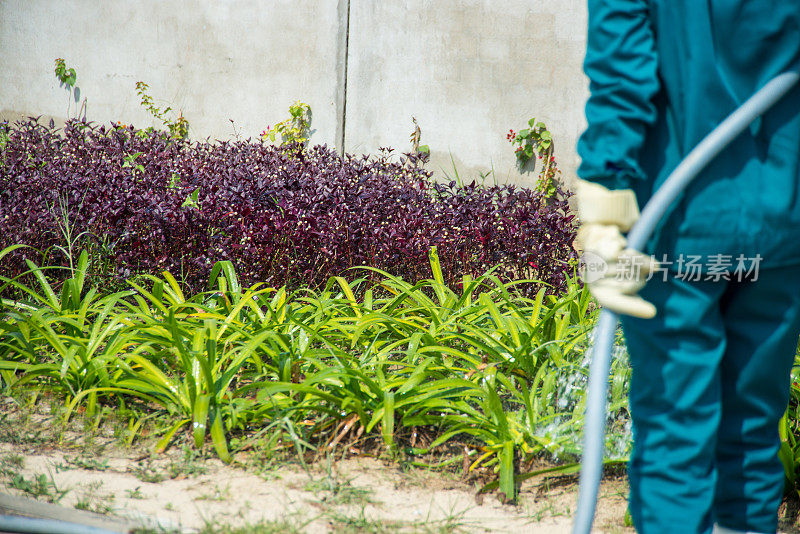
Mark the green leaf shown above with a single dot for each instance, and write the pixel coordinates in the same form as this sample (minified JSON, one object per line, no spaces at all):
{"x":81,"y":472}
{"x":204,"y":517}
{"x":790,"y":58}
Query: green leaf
{"x":199,"y":419}
{"x":227,"y":269}
{"x":218,"y":438}
{"x":566,"y":469}
{"x":439,"y":286}
{"x":507,"y":482}
{"x":348,"y":292}
{"x":10,"y":249}
{"x":163,"y":443}
{"x":80,"y":275}
{"x":192,"y":199}
{"x":177,"y":293}
{"x":387,"y":428}
{"x":49,"y":295}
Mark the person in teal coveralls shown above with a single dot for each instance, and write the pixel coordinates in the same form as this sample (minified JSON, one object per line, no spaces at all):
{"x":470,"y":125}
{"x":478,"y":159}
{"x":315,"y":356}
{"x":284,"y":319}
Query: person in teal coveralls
{"x":712,"y":328}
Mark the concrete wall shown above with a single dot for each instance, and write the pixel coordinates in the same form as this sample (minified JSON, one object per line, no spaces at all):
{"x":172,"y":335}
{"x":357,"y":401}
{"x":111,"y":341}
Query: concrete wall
{"x":245,"y":60}
{"x":468,"y":70}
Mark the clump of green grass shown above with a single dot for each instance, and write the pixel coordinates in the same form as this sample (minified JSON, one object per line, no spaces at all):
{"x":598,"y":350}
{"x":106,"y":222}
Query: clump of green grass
{"x":40,"y":486}
{"x":278,"y":526}
{"x":401,"y":369}
{"x":333,"y":490}
{"x":92,"y":500}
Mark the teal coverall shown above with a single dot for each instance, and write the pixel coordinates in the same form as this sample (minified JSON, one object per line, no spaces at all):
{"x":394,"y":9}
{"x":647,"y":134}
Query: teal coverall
{"x":710,"y":374}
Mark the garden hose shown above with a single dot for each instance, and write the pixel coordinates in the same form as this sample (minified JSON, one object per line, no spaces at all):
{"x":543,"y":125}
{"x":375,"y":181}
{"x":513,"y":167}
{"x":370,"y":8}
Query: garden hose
{"x":684,"y":173}
{"x":35,"y":525}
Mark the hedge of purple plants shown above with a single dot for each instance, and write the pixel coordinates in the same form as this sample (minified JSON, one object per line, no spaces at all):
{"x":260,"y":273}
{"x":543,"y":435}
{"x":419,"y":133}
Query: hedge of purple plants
{"x":284,"y":215}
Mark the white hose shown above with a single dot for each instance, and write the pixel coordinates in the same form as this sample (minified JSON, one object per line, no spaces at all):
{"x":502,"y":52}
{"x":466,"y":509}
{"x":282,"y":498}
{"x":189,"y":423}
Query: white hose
{"x":35,"y":525}
{"x":684,"y":173}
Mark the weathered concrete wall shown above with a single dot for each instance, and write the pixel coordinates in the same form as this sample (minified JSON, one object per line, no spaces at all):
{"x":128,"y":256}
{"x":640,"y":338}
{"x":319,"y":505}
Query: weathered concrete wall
{"x":245,"y":60}
{"x":468,"y":70}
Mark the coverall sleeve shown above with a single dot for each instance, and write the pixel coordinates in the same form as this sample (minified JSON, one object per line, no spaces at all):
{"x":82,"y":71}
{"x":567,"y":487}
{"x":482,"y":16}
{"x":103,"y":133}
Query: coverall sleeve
{"x":622,"y":67}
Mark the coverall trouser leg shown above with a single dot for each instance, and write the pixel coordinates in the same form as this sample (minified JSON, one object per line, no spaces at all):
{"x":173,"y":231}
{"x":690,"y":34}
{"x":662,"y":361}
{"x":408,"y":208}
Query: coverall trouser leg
{"x":709,"y":383}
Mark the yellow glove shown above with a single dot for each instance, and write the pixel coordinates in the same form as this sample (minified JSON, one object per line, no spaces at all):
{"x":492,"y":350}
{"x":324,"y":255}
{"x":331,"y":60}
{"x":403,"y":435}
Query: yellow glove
{"x":615,"y":273}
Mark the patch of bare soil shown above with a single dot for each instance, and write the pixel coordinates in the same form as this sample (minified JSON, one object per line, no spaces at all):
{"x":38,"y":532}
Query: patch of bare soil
{"x":185,"y":491}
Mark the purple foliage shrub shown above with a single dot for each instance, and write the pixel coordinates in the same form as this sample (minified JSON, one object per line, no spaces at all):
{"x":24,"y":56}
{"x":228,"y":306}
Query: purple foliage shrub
{"x":282,"y":215}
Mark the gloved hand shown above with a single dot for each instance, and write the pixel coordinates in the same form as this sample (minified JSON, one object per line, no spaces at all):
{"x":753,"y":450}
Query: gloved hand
{"x":619,"y":272}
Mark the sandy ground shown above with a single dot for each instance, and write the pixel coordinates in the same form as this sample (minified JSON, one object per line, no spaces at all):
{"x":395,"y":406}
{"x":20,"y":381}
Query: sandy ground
{"x":184,"y":490}
{"x":356,"y":495}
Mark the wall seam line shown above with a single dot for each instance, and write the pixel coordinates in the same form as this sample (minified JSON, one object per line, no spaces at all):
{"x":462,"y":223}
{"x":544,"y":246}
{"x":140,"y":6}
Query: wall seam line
{"x":343,"y":77}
